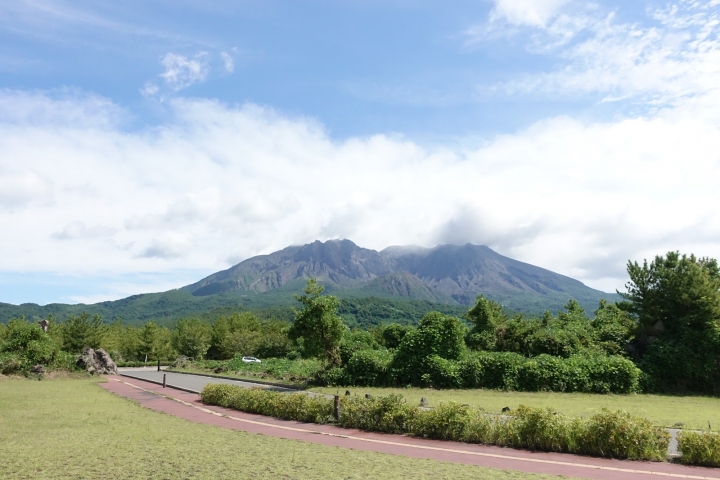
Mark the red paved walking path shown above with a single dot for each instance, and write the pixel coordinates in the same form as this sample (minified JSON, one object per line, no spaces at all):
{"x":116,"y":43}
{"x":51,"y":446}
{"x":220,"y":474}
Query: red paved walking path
{"x":188,"y":406}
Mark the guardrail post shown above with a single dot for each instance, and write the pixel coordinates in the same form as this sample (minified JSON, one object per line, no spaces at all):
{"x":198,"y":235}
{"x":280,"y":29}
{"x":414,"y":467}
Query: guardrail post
{"x":164,"y":379}
{"x":336,"y":408}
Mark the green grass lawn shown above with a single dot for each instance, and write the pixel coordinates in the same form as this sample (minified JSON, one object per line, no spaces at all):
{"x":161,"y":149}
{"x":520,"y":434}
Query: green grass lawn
{"x":661,"y":410}
{"x":72,"y":428}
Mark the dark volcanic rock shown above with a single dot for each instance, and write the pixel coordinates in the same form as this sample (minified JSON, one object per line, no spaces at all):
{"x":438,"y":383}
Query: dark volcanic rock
{"x":96,"y":362}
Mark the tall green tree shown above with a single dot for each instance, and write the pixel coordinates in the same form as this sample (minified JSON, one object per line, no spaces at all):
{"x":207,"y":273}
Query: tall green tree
{"x":318,"y":324}
{"x":682,"y":292}
{"x":80,"y":331}
{"x":239,"y":333}
{"x":485,"y":316}
{"x":192,"y":338}
{"x":675,"y":300}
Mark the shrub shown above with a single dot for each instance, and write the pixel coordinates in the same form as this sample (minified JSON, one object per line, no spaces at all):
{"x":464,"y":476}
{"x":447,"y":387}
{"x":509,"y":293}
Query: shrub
{"x":452,"y":421}
{"x":436,"y":334}
{"x":620,"y":435}
{"x":699,"y":448}
{"x":369,"y":368}
{"x":494,"y":370}
{"x":296,"y":406}
{"x":26,"y":345}
{"x":11,"y":363}
{"x":441,"y":373}
{"x":607,"y":374}
{"x":356,"y":341}
{"x":389,"y":414}
{"x":579,"y":373}
{"x":536,"y":429}
{"x":608,"y":434}
{"x":332,"y":377}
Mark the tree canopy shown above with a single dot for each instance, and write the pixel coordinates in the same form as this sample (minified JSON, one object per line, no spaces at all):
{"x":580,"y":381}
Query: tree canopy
{"x":318,"y":323}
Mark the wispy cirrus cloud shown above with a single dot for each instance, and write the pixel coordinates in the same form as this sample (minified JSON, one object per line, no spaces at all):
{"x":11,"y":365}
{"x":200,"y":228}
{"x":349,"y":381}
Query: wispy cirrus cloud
{"x":183,"y":71}
{"x":671,"y":57}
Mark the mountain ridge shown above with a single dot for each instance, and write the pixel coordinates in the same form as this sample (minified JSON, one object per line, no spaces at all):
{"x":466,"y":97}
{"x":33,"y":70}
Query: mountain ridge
{"x":457,"y":272}
{"x":447,"y":276}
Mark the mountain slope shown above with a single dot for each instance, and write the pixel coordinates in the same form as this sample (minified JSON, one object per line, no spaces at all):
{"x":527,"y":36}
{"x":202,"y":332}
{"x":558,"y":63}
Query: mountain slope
{"x":448,"y":275}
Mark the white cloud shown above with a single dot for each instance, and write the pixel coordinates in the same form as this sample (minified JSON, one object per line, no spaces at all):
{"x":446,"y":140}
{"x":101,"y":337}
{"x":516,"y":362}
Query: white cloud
{"x":535,"y":13}
{"x":669,"y":60}
{"x":20,"y":187}
{"x":182,"y":72}
{"x":228,"y":62}
{"x":218,"y":182}
{"x":78,"y":230}
{"x":149,"y":89}
{"x":168,"y":246}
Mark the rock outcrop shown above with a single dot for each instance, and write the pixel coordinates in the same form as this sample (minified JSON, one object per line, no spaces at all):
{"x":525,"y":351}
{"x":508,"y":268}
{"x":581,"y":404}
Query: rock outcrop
{"x":96,"y":362}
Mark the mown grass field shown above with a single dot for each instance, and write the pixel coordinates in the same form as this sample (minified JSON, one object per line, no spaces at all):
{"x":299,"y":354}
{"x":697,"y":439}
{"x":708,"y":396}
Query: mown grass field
{"x":72,"y":428}
{"x":661,"y":410}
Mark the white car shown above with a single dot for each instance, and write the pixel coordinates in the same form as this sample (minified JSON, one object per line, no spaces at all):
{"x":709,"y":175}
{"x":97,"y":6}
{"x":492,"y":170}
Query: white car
{"x":251,"y":360}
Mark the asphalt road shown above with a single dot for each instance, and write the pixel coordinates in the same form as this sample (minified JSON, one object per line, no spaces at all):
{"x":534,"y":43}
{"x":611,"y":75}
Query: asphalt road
{"x":193,"y":383}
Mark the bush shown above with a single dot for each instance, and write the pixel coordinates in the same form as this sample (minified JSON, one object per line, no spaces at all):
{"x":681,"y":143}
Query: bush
{"x":356,"y":341}
{"x":369,"y":368}
{"x":699,"y":448}
{"x":27,"y":345}
{"x":441,"y":373}
{"x":296,"y":406}
{"x":495,"y":370}
{"x":620,"y":435}
{"x":537,"y":429}
{"x":608,"y":434}
{"x":12,"y":363}
{"x":579,"y":373}
{"x":452,"y":421}
{"x":390,"y":414}
{"x":332,"y":377}
{"x":436,"y":334}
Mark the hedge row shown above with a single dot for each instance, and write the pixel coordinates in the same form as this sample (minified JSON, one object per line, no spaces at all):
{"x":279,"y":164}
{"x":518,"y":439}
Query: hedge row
{"x":699,"y":448}
{"x":495,"y":370}
{"x":607,"y":434}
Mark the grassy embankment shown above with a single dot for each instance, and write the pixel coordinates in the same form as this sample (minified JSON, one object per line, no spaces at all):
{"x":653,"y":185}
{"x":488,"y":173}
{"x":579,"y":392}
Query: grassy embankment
{"x":661,"y":410}
{"x":72,"y":428}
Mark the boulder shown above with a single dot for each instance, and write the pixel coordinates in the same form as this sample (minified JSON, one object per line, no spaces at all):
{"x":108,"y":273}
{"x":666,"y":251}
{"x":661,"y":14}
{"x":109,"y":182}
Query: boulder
{"x":37,"y":369}
{"x":96,"y":362}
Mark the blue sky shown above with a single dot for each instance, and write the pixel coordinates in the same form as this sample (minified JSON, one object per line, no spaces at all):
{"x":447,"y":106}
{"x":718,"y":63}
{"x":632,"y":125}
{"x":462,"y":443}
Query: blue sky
{"x":150,"y":143}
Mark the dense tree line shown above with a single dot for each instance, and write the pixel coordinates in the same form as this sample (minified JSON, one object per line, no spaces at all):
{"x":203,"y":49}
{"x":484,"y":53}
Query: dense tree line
{"x":668,"y":325}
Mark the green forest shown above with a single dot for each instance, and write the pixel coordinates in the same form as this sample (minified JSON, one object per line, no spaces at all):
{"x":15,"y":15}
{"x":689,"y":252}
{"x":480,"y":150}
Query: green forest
{"x":663,"y":336}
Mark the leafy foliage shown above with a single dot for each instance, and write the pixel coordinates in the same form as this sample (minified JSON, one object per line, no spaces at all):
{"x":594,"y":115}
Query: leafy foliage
{"x":297,"y":406}
{"x":24,"y":344}
{"x":699,"y":448}
{"x":318,"y":324}
{"x":676,"y":302}
{"x":607,"y":434}
{"x":192,"y":338}
{"x":80,"y":331}
{"x":437,"y":335}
